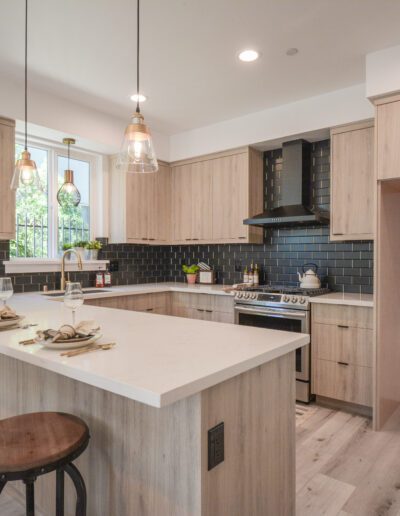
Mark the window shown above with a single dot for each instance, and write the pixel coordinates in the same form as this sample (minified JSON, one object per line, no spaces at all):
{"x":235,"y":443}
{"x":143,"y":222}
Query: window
{"x":42,"y":226}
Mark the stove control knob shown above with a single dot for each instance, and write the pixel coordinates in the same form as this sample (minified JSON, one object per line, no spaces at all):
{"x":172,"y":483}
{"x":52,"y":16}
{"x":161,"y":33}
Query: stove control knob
{"x":253,"y":296}
{"x":239,"y":295}
{"x":246,"y":295}
{"x":294,"y":299}
{"x":302,"y":300}
{"x":286,"y":299}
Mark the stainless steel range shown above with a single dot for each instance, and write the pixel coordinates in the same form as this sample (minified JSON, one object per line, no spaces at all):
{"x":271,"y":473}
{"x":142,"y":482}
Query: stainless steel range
{"x":281,"y":308}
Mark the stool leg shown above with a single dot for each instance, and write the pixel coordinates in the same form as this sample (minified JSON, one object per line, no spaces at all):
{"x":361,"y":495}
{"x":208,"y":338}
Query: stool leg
{"x":2,"y":484}
{"x":30,"y":497}
{"x":60,"y":492}
{"x":80,"y":487}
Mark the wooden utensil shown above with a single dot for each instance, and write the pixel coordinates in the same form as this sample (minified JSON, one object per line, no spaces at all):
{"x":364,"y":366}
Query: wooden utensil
{"x":88,"y":349}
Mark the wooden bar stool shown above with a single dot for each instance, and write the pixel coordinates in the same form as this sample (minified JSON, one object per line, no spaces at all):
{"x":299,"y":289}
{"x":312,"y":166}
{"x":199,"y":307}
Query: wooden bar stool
{"x":35,"y":444}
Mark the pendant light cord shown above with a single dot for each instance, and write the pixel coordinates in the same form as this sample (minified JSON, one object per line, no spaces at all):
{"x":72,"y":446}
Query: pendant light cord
{"x":68,"y":155}
{"x":26,"y":74}
{"x":137,"y":55}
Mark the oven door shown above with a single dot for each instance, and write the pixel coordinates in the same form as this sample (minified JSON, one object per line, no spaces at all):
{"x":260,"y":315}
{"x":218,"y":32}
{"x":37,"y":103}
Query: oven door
{"x":297,"y":321}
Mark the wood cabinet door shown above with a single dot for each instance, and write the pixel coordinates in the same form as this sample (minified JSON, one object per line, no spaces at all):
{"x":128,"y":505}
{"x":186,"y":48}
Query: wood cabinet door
{"x":352,"y":184}
{"x":181,"y":203}
{"x":201,"y":201}
{"x":230,"y":178}
{"x":388,"y":137}
{"x":7,"y":164}
{"x":160,"y":215}
{"x":139,"y":206}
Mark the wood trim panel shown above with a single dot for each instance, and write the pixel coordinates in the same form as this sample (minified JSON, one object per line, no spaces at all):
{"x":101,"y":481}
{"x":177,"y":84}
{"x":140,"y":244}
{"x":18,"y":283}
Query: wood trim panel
{"x":208,"y":157}
{"x":345,"y":128}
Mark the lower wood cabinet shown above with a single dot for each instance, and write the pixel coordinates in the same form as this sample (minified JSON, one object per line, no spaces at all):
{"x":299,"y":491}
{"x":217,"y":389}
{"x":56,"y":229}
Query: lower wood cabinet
{"x":153,"y":303}
{"x":342,"y":353}
{"x":7,"y":163}
{"x":207,"y":307}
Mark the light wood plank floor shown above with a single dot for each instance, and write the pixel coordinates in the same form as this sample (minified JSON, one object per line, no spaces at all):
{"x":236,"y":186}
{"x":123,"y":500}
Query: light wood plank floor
{"x":343,"y":467}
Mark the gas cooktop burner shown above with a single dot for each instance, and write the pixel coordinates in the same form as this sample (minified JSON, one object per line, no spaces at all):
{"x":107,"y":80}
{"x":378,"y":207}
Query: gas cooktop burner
{"x":311,"y":292}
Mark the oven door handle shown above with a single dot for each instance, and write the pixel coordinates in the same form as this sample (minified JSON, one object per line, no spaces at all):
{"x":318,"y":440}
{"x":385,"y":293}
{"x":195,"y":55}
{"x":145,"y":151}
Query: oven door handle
{"x":273,"y":313}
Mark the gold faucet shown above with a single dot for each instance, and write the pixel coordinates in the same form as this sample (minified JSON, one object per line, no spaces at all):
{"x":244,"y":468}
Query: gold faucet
{"x":68,"y":251}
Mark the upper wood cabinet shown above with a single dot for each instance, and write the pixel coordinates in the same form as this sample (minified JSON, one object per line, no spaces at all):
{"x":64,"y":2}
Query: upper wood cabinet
{"x":212,"y":195}
{"x":7,"y":164}
{"x":148,"y":206}
{"x":352,"y":182}
{"x":388,"y":137}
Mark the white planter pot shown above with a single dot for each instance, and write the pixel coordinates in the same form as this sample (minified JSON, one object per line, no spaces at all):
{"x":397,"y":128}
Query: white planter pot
{"x":81,"y":251}
{"x":91,"y":254}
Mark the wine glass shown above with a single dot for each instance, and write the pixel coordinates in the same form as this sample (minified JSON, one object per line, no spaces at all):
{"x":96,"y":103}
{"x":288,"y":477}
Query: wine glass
{"x":73,"y":298}
{"x":6,"y":289}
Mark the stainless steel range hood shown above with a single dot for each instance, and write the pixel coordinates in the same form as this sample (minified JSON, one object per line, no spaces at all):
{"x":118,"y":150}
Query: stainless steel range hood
{"x":295,"y":191}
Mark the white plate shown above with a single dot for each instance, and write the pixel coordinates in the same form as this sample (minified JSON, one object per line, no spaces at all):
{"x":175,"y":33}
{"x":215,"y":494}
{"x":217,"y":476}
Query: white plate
{"x":11,"y":322}
{"x":70,"y":345}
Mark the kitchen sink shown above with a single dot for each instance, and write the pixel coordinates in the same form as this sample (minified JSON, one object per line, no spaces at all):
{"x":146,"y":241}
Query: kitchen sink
{"x":88,"y":291}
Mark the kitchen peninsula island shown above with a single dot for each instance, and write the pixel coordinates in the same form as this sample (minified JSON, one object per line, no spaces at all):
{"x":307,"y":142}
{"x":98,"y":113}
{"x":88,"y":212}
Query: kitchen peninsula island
{"x":150,"y":402}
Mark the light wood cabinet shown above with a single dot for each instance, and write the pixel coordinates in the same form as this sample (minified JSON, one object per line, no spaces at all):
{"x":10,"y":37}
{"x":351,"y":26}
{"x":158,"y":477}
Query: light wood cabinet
{"x":152,"y":303}
{"x":212,"y":195}
{"x":148,"y":198}
{"x":342,"y":353}
{"x":207,"y":307}
{"x":352,"y":182}
{"x":387,"y":137}
{"x":7,"y":164}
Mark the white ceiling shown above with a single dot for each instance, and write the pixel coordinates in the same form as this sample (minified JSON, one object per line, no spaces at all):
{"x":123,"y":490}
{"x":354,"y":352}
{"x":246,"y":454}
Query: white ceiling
{"x":84,"y":50}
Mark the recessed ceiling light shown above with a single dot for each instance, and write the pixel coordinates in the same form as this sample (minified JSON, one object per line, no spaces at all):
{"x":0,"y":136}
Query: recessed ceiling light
{"x":292,"y":51}
{"x":249,"y":55}
{"x":140,"y":97}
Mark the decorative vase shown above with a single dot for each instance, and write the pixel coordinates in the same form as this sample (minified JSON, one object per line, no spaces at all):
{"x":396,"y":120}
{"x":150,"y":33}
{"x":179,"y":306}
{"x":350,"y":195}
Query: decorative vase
{"x":191,"y":278}
{"x":91,"y":254}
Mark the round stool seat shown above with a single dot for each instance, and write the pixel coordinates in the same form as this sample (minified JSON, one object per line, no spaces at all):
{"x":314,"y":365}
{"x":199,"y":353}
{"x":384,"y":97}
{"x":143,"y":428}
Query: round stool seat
{"x":39,"y":440}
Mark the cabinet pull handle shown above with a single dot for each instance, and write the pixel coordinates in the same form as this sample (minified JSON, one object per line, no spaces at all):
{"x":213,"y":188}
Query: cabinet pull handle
{"x":209,"y":311}
{"x":200,"y":310}
{"x":344,"y":326}
{"x":188,"y":239}
{"x":149,"y":309}
{"x":242,"y":237}
{"x":151,"y":238}
{"x":343,"y":363}
{"x":144,"y":238}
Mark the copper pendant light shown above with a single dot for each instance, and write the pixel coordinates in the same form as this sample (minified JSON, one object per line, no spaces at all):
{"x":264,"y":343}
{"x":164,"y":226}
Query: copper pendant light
{"x":137,"y":154}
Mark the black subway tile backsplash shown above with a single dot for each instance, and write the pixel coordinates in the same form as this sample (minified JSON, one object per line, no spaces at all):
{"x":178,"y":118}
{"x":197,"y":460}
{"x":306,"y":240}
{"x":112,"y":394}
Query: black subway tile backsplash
{"x":343,"y":266}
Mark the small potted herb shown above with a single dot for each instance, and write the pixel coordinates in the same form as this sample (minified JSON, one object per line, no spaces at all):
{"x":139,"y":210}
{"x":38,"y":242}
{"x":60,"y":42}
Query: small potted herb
{"x":191,"y":273}
{"x":66,"y":247}
{"x":80,"y":246}
{"x":92,"y":249}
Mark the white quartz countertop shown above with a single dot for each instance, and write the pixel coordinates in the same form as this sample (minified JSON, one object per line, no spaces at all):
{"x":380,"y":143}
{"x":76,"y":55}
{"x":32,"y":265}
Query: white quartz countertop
{"x":151,"y":288}
{"x":342,"y":298}
{"x":158,"y":359}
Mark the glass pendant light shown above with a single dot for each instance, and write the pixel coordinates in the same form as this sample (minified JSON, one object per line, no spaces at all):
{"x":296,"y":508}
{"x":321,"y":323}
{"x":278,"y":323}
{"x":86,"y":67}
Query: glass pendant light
{"x":68,"y":194}
{"x":137,"y":154}
{"x":25,"y":173}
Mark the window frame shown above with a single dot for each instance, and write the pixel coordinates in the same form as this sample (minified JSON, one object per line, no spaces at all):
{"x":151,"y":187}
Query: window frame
{"x":54,"y":151}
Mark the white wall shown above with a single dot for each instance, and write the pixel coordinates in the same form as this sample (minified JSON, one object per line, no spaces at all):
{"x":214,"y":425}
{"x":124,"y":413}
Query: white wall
{"x":314,"y":113}
{"x":383,"y":72}
{"x":52,"y":118}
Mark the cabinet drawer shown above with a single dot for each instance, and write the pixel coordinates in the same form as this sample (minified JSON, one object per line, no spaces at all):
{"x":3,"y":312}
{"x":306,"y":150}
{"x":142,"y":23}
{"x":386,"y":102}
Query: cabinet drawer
{"x":342,"y":344}
{"x":356,"y":316}
{"x":349,"y":383}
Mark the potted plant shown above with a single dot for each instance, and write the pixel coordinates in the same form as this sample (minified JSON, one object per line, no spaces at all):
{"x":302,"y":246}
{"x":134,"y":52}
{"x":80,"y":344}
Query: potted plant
{"x":92,"y":249}
{"x":191,"y":273}
{"x":80,"y":246}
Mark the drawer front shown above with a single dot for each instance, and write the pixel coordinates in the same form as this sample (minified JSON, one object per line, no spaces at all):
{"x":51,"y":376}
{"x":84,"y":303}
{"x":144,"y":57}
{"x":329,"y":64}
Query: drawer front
{"x":356,"y":316}
{"x":340,"y":343}
{"x":349,"y":383}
